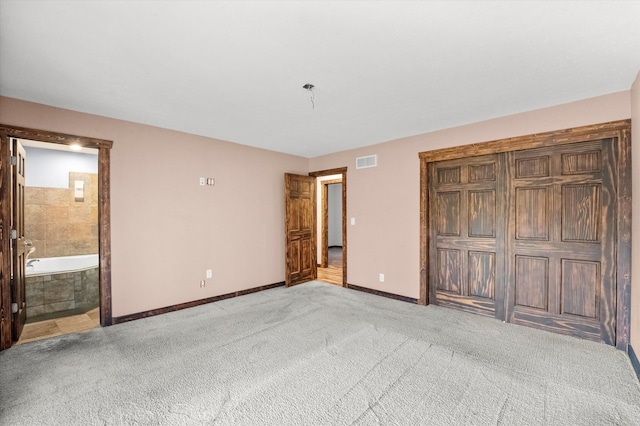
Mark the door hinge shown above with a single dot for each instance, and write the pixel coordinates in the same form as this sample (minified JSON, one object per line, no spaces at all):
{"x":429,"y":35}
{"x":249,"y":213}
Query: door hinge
{"x":14,"y":308}
{"x":14,"y":234}
{"x":13,"y":160}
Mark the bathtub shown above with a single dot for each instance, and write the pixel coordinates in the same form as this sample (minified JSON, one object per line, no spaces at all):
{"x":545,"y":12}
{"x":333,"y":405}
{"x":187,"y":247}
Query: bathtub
{"x":57,"y":265}
{"x":61,"y":286}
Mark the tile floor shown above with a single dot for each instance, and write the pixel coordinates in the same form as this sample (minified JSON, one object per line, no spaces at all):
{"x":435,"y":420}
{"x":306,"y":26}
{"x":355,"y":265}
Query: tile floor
{"x":59,"y":326}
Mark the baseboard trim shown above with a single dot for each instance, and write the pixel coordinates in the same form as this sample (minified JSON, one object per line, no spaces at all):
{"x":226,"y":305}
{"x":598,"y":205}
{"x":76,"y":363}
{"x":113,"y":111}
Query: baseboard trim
{"x":634,"y":360}
{"x":178,"y":307}
{"x":383,"y":293}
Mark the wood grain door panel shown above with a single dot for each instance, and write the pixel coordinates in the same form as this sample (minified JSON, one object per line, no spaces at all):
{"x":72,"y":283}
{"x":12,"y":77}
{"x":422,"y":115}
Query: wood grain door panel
{"x":561,"y":275}
{"x":467,"y":234}
{"x":300,"y":229}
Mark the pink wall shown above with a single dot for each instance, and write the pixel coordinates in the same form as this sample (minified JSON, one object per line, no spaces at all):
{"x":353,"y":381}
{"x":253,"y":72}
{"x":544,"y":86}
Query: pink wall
{"x":166,"y":229}
{"x":385,"y":200}
{"x":635,"y":197}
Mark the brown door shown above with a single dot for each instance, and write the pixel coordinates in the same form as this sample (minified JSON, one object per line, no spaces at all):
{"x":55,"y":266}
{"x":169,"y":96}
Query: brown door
{"x":528,"y":237}
{"x":561,"y":255}
{"x":20,"y":245}
{"x":467,"y":234}
{"x":300,"y":228}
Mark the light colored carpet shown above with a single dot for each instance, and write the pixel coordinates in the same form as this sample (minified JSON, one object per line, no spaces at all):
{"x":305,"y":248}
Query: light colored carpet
{"x":316,"y":354}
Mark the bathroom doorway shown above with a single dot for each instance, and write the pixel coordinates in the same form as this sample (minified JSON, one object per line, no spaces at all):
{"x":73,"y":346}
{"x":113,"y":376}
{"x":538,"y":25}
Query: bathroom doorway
{"x":78,"y":191}
{"x":61,"y":228}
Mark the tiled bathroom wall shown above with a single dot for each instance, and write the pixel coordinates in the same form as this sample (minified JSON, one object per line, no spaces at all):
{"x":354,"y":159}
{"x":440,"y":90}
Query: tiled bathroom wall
{"x":58,"y":223}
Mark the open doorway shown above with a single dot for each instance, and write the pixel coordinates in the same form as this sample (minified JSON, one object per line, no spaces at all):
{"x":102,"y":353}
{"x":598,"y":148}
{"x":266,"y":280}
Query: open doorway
{"x":61,"y":226}
{"x":331,"y":223}
{"x":12,"y":271}
{"x":303,"y":251}
{"x":330,"y":229}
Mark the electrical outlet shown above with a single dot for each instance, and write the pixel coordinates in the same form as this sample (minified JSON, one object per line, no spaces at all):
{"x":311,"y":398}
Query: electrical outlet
{"x":209,"y":273}
{"x":202,"y":283}
{"x":381,"y":278}
{"x":201,"y":181}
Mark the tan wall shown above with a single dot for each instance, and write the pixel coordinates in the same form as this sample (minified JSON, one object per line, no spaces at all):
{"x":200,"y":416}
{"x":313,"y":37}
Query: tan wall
{"x":60,"y":225}
{"x":385,"y":200}
{"x":635,"y":197}
{"x":166,"y":229}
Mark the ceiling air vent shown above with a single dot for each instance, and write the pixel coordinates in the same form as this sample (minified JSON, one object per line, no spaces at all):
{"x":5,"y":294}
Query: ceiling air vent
{"x":368,"y":161}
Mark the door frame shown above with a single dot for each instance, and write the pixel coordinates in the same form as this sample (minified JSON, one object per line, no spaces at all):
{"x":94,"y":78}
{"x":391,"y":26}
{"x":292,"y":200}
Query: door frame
{"x":620,"y":130}
{"x":339,"y":171}
{"x":104,"y":218}
{"x":19,"y":244}
{"x":324,"y":222}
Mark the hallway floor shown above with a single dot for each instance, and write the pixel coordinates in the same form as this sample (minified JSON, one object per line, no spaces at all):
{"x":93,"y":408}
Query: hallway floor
{"x":333,"y":273}
{"x":59,"y":326}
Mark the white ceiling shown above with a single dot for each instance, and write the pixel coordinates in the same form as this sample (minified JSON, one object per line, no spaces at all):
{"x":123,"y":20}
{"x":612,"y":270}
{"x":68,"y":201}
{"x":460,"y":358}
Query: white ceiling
{"x":381,"y":70}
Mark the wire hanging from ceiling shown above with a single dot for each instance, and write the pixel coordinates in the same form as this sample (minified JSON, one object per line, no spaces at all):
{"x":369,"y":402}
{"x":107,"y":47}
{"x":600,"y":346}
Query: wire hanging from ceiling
{"x":309,"y":88}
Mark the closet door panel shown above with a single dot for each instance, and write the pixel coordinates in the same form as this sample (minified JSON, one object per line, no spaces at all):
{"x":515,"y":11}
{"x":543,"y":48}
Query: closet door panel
{"x":467,"y":234}
{"x":482,"y":213}
{"x":482,"y":274}
{"x":559,"y":272}
{"x":532,"y":282}
{"x":532,"y":213}
{"x":449,"y":271}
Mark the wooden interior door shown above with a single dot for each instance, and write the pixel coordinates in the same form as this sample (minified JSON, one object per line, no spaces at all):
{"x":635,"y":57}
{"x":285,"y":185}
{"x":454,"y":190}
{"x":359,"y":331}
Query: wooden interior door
{"x":467,"y":234}
{"x":561,"y":255}
{"x":20,"y":245}
{"x":300,"y":229}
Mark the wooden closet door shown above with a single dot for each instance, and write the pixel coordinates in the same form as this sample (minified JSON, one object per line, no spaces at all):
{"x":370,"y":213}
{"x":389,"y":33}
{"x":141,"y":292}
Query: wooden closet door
{"x":466,"y":238}
{"x":561,"y":239}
